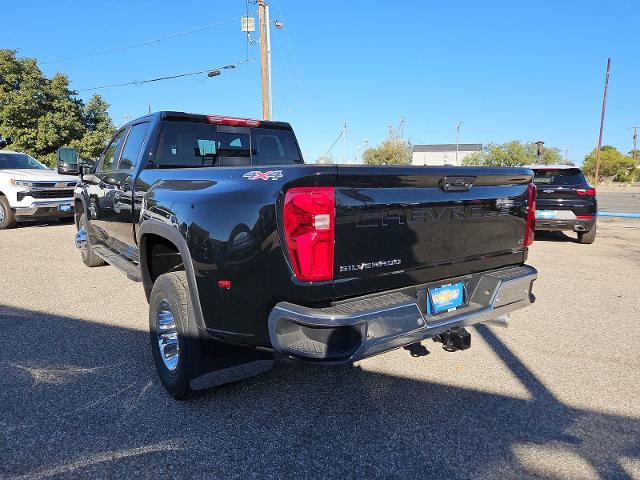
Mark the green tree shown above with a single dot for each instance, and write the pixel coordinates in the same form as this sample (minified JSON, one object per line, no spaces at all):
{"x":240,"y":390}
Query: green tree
{"x":43,"y":114}
{"x":99,"y":128}
{"x":513,"y":154}
{"x":613,"y":164}
{"x":393,"y":151}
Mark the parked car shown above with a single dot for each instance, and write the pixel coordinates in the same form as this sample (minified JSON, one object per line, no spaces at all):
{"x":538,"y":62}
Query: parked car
{"x":29,"y":190}
{"x":245,"y":252}
{"x":565,"y":201}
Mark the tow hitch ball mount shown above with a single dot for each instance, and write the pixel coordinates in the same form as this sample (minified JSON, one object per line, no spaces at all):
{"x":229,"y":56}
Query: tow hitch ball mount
{"x":454,"y":339}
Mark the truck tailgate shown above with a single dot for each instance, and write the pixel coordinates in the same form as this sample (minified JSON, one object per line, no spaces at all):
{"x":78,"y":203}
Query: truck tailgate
{"x":397,"y":226}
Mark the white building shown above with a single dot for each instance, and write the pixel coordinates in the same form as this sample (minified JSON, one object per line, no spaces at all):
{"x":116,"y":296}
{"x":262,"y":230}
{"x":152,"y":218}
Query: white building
{"x":443,"y":154}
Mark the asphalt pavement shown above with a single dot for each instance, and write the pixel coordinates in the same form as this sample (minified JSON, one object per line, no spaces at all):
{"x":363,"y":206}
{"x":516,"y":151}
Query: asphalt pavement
{"x":555,"y":395}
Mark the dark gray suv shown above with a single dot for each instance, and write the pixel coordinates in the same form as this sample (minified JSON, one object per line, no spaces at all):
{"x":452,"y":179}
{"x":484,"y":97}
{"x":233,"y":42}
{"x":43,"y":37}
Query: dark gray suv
{"x":565,"y":201}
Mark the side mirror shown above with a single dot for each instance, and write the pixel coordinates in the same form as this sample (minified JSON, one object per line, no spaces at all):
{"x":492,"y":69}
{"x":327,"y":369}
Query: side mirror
{"x":4,"y":142}
{"x":68,"y":161}
{"x":86,"y":169}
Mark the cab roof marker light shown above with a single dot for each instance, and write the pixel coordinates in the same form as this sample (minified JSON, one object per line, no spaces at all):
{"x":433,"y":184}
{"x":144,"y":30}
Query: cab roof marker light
{"x":233,"y":121}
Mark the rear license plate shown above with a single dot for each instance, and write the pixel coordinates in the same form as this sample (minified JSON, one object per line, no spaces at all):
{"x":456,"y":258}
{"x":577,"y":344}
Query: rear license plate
{"x":546,"y":213}
{"x":65,"y":208}
{"x":445,"y":298}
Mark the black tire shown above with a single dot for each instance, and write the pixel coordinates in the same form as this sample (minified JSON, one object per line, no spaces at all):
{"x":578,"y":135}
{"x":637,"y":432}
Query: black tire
{"x":89,"y":257}
{"x":171,"y":289}
{"x":7,"y":217}
{"x":587,"y":237}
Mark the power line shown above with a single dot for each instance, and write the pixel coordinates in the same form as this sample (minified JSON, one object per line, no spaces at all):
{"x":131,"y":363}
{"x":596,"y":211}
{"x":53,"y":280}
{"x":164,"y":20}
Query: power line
{"x":142,"y":44}
{"x":293,"y":56}
{"x":167,"y":77}
{"x":248,"y":33}
{"x":336,"y":140}
{"x":593,"y":146}
{"x":284,"y":61}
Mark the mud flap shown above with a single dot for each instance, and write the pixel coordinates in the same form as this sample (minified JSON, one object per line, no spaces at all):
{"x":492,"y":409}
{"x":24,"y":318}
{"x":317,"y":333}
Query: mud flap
{"x":213,"y":363}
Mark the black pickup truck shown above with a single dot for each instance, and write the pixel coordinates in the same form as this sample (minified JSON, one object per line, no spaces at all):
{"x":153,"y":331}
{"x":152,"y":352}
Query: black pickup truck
{"x":244,"y":252}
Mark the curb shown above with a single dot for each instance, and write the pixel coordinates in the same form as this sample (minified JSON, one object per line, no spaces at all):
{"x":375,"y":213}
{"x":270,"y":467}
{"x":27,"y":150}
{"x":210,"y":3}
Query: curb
{"x":616,"y":214}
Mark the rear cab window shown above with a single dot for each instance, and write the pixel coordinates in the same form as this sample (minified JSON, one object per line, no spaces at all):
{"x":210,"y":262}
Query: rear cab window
{"x":191,"y":143}
{"x":559,"y":177}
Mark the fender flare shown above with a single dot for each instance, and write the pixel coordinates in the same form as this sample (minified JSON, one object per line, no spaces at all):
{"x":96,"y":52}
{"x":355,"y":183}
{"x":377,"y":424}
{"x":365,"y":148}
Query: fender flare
{"x":83,"y":200}
{"x":155,"y":227}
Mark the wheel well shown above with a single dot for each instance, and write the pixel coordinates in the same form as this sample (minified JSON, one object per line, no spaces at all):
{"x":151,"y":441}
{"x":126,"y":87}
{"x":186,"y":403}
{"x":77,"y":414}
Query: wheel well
{"x":161,"y":256}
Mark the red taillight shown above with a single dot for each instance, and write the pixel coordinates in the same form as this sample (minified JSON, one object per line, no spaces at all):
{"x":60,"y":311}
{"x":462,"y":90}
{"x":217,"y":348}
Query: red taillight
{"x":233,"y":121}
{"x":309,"y":225}
{"x":531,"y":215}
{"x":584,"y":217}
{"x":586,"y":192}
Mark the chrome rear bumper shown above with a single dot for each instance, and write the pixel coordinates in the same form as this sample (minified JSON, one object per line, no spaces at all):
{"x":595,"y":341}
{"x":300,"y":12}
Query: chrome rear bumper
{"x":366,"y":326}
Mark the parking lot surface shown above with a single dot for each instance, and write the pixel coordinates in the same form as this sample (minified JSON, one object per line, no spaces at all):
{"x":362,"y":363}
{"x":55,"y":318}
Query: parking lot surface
{"x":556,"y":395}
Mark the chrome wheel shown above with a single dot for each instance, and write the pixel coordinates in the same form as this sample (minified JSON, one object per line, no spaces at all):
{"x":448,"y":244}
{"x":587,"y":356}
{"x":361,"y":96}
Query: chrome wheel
{"x":1,"y":214}
{"x":81,"y":239}
{"x":167,"y":336}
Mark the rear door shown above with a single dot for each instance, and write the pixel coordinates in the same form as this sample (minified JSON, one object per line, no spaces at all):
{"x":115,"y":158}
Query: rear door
{"x":118,"y":221}
{"x":397,"y":226}
{"x":101,"y":189}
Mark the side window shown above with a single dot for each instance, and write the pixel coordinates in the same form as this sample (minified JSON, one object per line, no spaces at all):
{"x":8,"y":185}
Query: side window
{"x":133,"y":146}
{"x":111,"y":152}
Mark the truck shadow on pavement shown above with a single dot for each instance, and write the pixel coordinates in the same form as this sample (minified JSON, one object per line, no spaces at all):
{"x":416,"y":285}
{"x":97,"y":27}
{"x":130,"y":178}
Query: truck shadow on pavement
{"x":51,"y":222}
{"x":553,"y":236}
{"x":81,"y":399}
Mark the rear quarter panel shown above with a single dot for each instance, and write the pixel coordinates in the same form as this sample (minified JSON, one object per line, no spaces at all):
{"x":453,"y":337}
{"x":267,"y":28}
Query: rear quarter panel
{"x":231,"y":225}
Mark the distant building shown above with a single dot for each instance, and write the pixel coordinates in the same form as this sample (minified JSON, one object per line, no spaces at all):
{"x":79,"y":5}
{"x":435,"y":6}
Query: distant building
{"x":324,"y":160}
{"x":443,"y":154}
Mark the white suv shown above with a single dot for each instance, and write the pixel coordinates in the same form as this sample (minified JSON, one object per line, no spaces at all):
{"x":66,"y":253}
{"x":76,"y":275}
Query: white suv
{"x":30,"y":190}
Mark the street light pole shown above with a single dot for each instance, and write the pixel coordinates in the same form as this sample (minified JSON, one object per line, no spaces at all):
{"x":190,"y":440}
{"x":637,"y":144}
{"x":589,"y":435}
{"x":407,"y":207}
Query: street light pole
{"x":457,"y":140}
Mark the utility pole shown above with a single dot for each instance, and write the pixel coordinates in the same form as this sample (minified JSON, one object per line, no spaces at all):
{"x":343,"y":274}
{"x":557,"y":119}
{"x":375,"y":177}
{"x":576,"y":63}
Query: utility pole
{"x":604,"y":109}
{"x":268,"y":22}
{"x":635,"y":143}
{"x":264,"y":67}
{"x":457,"y":140}
{"x":126,"y":118}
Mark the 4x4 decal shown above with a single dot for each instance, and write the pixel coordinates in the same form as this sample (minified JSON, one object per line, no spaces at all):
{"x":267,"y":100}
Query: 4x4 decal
{"x":258,"y":175}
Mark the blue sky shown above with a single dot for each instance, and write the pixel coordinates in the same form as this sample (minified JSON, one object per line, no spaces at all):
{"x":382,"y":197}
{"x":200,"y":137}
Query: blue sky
{"x":509,"y":70}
